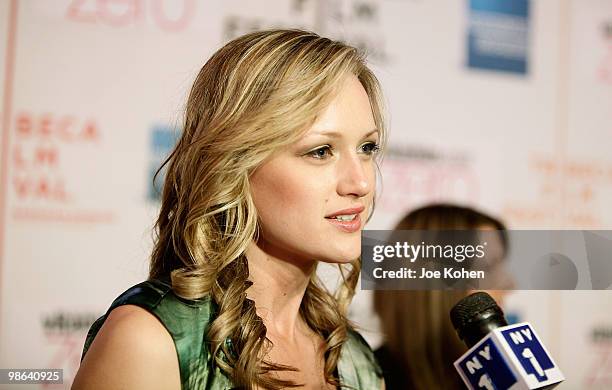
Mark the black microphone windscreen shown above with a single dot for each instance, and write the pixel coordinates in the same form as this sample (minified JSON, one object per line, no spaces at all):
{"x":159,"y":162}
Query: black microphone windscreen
{"x":474,"y":316}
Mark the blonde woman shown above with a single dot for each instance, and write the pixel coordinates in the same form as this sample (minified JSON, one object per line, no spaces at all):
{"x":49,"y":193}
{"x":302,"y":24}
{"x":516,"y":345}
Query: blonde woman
{"x":274,"y":172}
{"x":420,"y":341}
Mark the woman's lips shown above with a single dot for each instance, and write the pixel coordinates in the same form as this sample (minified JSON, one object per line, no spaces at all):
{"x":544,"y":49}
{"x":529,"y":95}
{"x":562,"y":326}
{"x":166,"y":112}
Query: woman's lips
{"x":350,"y":211}
{"x":347,"y":226}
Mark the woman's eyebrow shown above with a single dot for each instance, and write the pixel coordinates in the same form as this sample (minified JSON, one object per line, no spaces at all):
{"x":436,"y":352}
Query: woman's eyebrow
{"x":336,"y":134}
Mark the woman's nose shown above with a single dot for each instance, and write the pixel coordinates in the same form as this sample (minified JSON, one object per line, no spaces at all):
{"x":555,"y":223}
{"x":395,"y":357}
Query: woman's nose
{"x":355,"y":177}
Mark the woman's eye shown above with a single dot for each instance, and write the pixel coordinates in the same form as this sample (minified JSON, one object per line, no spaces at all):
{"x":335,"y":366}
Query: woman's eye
{"x":321,"y":152}
{"x":370,"y":148}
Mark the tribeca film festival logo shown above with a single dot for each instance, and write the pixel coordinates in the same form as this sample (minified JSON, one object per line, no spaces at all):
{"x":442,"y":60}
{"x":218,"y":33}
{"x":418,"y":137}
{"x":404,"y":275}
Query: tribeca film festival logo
{"x":599,"y":372}
{"x":36,"y":153}
{"x":46,"y":149}
{"x":64,"y":333}
{"x":165,"y":15}
{"x":356,"y":22}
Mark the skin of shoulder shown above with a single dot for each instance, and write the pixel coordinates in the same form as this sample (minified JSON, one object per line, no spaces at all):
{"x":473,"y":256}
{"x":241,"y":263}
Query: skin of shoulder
{"x":132,"y":350}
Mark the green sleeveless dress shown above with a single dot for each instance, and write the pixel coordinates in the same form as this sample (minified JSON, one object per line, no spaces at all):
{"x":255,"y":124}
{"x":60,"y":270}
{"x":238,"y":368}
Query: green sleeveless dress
{"x":187,"y":322}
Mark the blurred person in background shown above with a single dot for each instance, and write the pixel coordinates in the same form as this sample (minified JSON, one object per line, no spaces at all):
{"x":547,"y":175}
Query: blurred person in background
{"x":420,"y":342}
{"x":274,"y":172}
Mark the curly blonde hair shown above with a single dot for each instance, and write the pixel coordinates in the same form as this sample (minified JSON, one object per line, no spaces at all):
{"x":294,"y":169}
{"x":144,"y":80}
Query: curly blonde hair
{"x":257,"y":94}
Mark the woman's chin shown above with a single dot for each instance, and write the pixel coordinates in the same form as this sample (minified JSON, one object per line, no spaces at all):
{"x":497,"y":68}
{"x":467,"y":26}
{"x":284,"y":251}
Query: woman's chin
{"x":343,"y":257}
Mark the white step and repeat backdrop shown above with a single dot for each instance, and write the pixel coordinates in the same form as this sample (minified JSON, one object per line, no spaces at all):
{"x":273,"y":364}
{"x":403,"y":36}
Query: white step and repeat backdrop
{"x":506,"y":106}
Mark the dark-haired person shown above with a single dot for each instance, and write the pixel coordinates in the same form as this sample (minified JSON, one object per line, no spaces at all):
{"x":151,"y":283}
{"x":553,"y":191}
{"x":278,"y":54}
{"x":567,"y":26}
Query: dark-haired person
{"x":420,"y":342}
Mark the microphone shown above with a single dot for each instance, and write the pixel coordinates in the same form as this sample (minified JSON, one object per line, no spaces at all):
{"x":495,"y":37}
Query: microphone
{"x":500,"y":356}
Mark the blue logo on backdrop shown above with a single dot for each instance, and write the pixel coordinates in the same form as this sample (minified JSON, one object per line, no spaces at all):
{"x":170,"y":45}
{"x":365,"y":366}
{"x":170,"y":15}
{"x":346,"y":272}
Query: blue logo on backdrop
{"x":512,"y":317}
{"x":497,"y":36}
{"x":529,"y":351}
{"x":486,"y":368}
{"x":163,"y":139}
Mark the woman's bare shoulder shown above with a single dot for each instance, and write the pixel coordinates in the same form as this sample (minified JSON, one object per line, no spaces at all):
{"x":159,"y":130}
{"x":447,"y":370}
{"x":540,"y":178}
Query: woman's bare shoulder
{"x":132,"y":350}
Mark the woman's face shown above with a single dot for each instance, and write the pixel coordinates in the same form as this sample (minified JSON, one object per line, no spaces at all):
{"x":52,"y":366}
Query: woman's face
{"x":313,"y":197}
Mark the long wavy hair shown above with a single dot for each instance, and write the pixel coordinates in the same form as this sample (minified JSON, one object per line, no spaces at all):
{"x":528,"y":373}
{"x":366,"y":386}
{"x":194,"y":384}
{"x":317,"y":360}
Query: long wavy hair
{"x":420,"y":341}
{"x":255,"y":95}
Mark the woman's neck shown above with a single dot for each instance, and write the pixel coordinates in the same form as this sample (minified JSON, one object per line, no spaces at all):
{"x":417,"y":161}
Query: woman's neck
{"x":278,"y":288}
